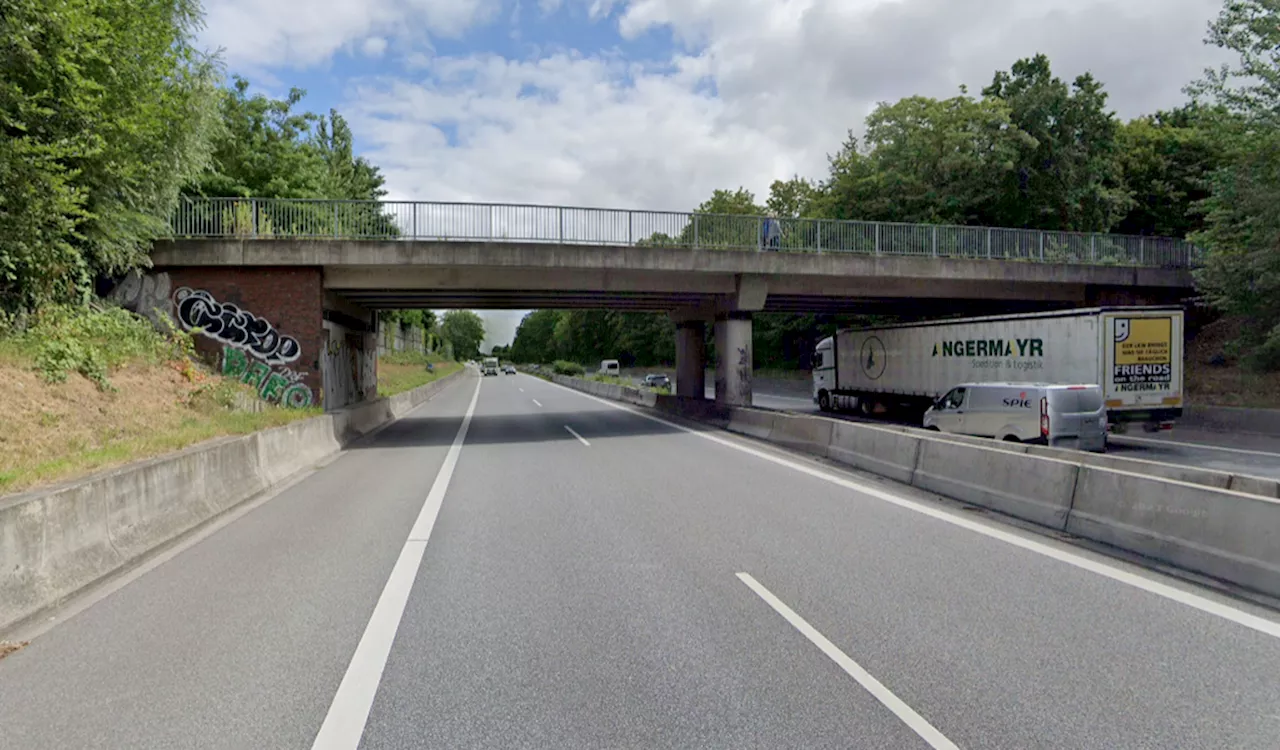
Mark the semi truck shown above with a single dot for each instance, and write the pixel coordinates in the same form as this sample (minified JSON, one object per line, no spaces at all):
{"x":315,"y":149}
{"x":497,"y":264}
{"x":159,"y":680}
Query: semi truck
{"x":1134,"y":353}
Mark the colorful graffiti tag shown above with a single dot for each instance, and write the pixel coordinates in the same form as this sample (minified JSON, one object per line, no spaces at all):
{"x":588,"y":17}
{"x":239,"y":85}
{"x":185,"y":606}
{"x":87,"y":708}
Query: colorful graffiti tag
{"x":228,"y":324}
{"x":252,"y":347}
{"x":283,"y":386}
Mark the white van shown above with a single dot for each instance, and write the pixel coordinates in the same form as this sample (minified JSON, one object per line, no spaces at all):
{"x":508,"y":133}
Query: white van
{"x":1062,"y":416}
{"x":609,"y":367}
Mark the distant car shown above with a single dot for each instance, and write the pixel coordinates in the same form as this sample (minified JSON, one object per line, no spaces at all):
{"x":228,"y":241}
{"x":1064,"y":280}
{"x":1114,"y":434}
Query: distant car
{"x":657,"y":380}
{"x":509,"y":369}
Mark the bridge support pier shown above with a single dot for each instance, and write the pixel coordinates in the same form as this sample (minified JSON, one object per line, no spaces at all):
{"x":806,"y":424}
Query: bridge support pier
{"x":733,"y":349}
{"x":691,"y":358}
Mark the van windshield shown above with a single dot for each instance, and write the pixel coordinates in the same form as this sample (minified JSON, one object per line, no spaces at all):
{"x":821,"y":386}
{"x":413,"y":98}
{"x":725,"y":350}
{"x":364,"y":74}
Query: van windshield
{"x":1085,"y":400}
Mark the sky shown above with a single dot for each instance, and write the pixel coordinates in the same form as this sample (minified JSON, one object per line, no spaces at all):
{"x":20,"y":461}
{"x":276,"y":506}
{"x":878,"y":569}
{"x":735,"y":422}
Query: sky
{"x":654,"y":104}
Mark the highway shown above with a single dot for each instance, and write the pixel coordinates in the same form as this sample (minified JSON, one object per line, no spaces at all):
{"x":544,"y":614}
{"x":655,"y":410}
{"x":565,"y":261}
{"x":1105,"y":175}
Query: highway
{"x":515,"y":564}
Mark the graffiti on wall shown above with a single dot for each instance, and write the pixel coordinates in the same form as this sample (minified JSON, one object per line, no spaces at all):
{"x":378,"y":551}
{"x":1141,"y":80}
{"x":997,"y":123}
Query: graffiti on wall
{"x":282,"y":386}
{"x":253,"y":351}
{"x":228,"y":324}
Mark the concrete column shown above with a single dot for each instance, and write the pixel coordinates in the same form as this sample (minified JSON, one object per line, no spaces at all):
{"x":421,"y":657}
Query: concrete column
{"x":733,"y":347}
{"x":691,"y":359}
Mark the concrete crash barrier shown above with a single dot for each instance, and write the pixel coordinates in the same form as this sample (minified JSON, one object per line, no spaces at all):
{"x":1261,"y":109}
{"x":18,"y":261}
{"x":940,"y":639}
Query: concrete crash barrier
{"x":1207,"y":477}
{"x":55,"y":542}
{"x":1227,"y":535}
{"x":808,"y":434}
{"x":1232,"y":419}
{"x":752,"y":422}
{"x":1260,"y":486}
{"x":889,"y":453}
{"x":1027,"y":487}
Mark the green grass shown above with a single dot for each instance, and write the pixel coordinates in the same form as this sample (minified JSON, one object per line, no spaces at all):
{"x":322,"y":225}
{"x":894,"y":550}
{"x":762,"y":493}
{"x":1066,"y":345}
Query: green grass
{"x":403,"y":371}
{"x":189,"y":431}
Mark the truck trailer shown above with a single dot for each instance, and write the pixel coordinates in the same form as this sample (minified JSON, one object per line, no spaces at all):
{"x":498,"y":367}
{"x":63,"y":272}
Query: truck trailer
{"x":1133,"y":353}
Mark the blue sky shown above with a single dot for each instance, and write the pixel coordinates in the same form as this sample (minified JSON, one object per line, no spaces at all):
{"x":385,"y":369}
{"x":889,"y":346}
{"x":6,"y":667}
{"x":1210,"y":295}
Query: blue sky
{"x":653,"y":104}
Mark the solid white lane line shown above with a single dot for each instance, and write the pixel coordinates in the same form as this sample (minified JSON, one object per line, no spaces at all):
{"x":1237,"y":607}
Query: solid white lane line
{"x":915,"y":721}
{"x":522,"y":390}
{"x":1188,"y":598}
{"x":579,"y":437}
{"x":537,"y":402}
{"x":1201,"y":446}
{"x":344,"y":723}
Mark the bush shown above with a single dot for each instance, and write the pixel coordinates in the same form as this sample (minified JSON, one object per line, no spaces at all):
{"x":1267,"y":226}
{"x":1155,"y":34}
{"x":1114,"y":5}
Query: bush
{"x":570,"y":369}
{"x":92,"y":340}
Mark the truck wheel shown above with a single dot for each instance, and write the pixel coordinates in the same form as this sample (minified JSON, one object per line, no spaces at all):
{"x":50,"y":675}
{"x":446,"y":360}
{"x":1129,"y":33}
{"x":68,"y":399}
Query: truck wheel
{"x":1151,"y":427}
{"x":824,"y":401}
{"x":866,"y":407}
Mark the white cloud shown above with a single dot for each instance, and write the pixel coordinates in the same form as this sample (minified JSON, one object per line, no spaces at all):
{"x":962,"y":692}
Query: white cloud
{"x":762,"y":89}
{"x":374,"y":46}
{"x":301,"y":33}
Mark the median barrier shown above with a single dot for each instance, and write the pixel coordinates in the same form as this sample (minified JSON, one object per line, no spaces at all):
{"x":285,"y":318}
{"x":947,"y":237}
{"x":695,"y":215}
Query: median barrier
{"x":889,"y":453}
{"x":808,"y":434}
{"x":1206,"y":477}
{"x":1227,"y":535}
{"x":1027,"y":487}
{"x":752,"y":422}
{"x":1232,"y":419}
{"x":1255,"y":486}
{"x":56,"y":541}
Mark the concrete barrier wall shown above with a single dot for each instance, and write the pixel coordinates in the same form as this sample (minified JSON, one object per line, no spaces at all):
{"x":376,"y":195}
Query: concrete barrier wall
{"x":889,"y":453}
{"x":1230,"y":419}
{"x":752,"y":422}
{"x":55,"y":542}
{"x":1028,"y":487}
{"x":808,"y":434}
{"x":1227,"y":535}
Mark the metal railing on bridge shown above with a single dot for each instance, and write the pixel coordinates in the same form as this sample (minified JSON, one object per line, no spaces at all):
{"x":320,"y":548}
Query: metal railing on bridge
{"x":279,"y":218}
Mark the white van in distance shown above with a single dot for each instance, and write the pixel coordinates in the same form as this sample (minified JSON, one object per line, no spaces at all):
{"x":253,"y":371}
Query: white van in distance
{"x":1061,"y":416}
{"x":609,"y":367}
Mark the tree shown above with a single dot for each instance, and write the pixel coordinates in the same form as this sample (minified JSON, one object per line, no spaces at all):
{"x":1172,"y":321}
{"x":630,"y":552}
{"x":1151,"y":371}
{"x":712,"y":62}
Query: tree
{"x":929,"y":161}
{"x":1067,"y":176}
{"x":465,"y":331}
{"x":106,"y":110}
{"x":266,"y":148}
{"x":716,"y":224}
{"x":1167,"y":159}
{"x":1241,"y":271}
{"x":534,"y":341}
{"x":792,"y":199}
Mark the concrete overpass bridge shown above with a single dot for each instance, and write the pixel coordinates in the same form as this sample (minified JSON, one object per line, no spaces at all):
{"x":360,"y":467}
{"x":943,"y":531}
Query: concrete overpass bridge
{"x":311,"y":274}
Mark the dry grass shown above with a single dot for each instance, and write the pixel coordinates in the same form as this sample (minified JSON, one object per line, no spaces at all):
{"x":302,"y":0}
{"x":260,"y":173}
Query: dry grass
{"x":8,"y":647}
{"x":1229,"y":384}
{"x":399,"y":372}
{"x":51,"y":432}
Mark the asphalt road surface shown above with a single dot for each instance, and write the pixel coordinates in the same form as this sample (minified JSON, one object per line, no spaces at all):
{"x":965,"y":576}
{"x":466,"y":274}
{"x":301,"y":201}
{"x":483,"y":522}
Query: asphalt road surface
{"x":519,"y":565}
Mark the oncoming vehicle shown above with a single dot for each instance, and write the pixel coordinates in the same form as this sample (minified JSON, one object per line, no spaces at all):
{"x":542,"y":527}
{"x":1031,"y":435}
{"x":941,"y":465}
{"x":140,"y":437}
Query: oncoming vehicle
{"x":509,"y":369}
{"x":609,"y":367}
{"x":657,"y":380}
{"x":1061,"y":416}
{"x":490,"y":366}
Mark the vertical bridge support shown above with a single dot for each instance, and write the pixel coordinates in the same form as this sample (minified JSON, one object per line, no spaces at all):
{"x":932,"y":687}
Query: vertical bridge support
{"x":691,"y":358}
{"x":733,"y":348}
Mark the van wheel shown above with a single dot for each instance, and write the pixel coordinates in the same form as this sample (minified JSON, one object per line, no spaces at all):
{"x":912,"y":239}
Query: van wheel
{"x":1011,"y":439}
{"x":824,"y":401}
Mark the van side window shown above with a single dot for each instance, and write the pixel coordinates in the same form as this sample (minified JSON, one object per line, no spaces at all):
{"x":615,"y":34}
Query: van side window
{"x":954,"y":399}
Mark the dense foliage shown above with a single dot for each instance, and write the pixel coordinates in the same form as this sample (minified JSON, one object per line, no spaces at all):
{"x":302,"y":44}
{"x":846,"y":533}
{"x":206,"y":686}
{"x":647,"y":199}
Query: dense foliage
{"x":109,"y":114}
{"x":464,"y":330}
